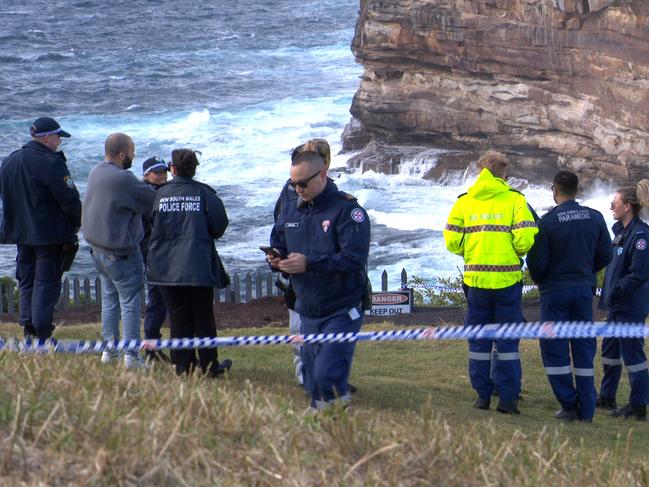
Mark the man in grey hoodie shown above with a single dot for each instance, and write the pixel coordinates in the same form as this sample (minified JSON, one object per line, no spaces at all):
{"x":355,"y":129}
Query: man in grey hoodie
{"x":111,"y":223}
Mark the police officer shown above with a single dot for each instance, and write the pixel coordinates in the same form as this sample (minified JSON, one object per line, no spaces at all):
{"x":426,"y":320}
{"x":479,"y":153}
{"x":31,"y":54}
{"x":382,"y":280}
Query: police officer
{"x":325,"y":241}
{"x":287,"y":195}
{"x":492,"y":227}
{"x":42,"y":215}
{"x":625,"y":295}
{"x":572,"y":245}
{"x":187,"y":217}
{"x":154,"y":174}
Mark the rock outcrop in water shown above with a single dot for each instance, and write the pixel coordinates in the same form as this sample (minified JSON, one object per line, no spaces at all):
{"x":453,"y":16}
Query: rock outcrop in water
{"x":553,"y":83}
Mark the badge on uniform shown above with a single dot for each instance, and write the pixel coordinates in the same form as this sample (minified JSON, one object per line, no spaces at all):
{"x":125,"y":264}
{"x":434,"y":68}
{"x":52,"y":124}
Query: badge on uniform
{"x":292,"y":224}
{"x":325,"y":225}
{"x":69,"y":182}
{"x":357,"y":215}
{"x":620,"y":250}
{"x":641,"y":244}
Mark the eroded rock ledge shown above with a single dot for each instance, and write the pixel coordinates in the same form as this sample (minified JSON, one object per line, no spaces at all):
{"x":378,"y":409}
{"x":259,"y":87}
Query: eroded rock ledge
{"x":553,"y":83}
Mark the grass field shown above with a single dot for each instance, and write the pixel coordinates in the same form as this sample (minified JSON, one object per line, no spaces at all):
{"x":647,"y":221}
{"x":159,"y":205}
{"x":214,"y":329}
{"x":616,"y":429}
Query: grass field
{"x":68,"y":420}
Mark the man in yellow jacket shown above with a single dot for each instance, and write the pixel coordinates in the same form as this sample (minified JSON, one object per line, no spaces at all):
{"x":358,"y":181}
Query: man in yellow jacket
{"x":492,"y":227}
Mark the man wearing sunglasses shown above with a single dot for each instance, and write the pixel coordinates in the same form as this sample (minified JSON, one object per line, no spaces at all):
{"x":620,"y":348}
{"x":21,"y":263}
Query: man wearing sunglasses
{"x":324,"y":234}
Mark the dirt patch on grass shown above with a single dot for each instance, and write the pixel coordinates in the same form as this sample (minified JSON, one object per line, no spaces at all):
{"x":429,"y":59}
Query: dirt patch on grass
{"x":271,"y":311}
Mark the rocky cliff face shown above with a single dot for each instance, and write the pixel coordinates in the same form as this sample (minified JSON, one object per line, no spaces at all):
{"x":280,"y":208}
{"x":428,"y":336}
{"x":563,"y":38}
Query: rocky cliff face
{"x":552,"y":83}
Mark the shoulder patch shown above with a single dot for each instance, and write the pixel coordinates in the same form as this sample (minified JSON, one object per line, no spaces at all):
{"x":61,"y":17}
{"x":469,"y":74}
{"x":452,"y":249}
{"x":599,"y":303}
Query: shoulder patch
{"x":357,"y":215}
{"x":641,"y":244}
{"x":69,"y":182}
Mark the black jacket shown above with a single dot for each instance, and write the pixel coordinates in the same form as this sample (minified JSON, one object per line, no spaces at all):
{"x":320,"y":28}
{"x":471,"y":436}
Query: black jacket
{"x":626,"y":284}
{"x":187,"y":217}
{"x":333,"y":232}
{"x":146,"y":224}
{"x":41,"y":205}
{"x":572,"y":245}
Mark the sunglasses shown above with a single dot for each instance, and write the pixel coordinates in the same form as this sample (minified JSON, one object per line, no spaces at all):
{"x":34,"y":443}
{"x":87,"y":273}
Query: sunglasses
{"x":303,"y":184}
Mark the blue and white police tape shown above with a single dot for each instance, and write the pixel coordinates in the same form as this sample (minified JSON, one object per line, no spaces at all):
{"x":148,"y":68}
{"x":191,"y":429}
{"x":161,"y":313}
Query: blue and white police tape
{"x":532,"y":330}
{"x":456,"y":290}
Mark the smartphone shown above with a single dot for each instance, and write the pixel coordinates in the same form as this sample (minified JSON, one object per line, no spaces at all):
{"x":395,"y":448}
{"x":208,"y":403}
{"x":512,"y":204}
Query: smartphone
{"x":271,"y":251}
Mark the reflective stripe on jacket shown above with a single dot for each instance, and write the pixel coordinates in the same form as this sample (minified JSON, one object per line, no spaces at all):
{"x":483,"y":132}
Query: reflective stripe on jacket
{"x":492,"y":227}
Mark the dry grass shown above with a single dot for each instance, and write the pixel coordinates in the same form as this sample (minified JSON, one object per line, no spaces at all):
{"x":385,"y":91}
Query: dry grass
{"x":70,"y":421}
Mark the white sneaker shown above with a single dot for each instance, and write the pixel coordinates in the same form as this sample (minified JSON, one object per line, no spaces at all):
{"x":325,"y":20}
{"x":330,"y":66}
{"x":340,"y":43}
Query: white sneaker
{"x":108,"y":357}
{"x":135,"y":362}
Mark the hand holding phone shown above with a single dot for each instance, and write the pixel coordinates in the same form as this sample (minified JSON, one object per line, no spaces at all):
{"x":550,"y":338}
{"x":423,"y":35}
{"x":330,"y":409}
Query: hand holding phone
{"x":271,"y":251}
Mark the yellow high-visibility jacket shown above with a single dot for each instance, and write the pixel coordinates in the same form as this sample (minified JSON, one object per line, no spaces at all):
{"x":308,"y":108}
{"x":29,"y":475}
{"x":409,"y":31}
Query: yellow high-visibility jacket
{"x":492,"y":227}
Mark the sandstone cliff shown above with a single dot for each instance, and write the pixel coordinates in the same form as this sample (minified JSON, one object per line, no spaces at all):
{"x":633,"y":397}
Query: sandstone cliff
{"x":553,"y":83}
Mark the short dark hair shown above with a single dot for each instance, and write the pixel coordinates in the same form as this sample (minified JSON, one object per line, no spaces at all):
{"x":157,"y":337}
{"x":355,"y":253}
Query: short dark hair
{"x":566,"y":183}
{"x":311,"y":158}
{"x":185,"y":162}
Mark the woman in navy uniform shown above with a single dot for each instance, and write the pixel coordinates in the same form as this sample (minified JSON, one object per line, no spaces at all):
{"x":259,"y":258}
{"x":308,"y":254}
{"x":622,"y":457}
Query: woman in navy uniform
{"x":187,"y":217}
{"x":625,"y":295}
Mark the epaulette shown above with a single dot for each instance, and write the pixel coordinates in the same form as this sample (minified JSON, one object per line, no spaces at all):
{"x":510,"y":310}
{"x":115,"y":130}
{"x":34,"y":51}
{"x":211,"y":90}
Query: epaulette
{"x":460,"y":195}
{"x":347,"y":196}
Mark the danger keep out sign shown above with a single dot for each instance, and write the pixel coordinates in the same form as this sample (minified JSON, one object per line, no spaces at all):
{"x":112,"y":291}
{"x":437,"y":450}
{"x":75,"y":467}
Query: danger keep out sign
{"x":389,"y":303}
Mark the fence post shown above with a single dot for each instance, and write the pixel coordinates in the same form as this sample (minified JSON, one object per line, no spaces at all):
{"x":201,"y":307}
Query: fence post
{"x":86,"y":291}
{"x":258,"y":287}
{"x":384,"y":280}
{"x":10,"y":297}
{"x":76,"y":292}
{"x":269,"y":284}
{"x":98,"y":291}
{"x":237,"y":289}
{"x":404,"y":279}
{"x":248,"y":288}
{"x":65,"y":295}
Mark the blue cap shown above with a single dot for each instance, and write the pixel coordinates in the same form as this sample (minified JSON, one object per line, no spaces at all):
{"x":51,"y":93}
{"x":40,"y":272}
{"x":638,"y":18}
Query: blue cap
{"x":46,"y":126}
{"x":154,"y":164}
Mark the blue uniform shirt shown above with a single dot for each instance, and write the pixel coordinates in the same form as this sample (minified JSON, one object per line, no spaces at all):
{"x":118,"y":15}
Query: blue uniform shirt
{"x":572,"y":245}
{"x":333,"y":232}
{"x":626,"y":284}
{"x":41,"y":205}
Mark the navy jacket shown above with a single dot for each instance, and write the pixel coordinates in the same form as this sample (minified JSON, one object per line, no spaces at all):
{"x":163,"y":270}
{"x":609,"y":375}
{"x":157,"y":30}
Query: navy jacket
{"x":187,"y":217}
{"x":333,"y":232}
{"x":41,"y":205}
{"x":287,"y":195}
{"x":572,"y":245}
{"x":626,"y":284}
{"x":146,"y":224}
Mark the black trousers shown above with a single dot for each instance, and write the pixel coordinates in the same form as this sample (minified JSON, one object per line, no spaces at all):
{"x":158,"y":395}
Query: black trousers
{"x":190,"y":316}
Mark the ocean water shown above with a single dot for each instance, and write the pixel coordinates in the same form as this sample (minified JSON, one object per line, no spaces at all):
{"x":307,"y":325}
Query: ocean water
{"x":243,"y":82}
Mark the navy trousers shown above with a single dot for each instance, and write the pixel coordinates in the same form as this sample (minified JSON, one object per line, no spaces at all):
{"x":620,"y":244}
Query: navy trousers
{"x":38,"y":270}
{"x":629,"y":351}
{"x":495,"y":306}
{"x":574,"y":304}
{"x":155,"y":314}
{"x":326,"y":366}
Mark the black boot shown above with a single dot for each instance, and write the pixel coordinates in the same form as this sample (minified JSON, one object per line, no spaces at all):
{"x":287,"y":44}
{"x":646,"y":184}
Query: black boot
{"x":508,"y":407}
{"x":608,"y":403}
{"x":629,"y":411}
{"x":567,"y":415}
{"x":481,"y":403}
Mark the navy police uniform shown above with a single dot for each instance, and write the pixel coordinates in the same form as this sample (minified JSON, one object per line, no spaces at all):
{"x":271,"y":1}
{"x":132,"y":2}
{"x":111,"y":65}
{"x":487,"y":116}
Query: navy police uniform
{"x":333,"y":232}
{"x":42,"y":213}
{"x":625,"y":296}
{"x":187,"y":217}
{"x":572,"y":245}
{"x":156,"y":311}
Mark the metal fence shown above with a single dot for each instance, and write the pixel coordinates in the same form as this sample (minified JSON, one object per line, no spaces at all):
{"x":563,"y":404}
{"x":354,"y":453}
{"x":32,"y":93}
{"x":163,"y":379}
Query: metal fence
{"x":82,"y":292}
